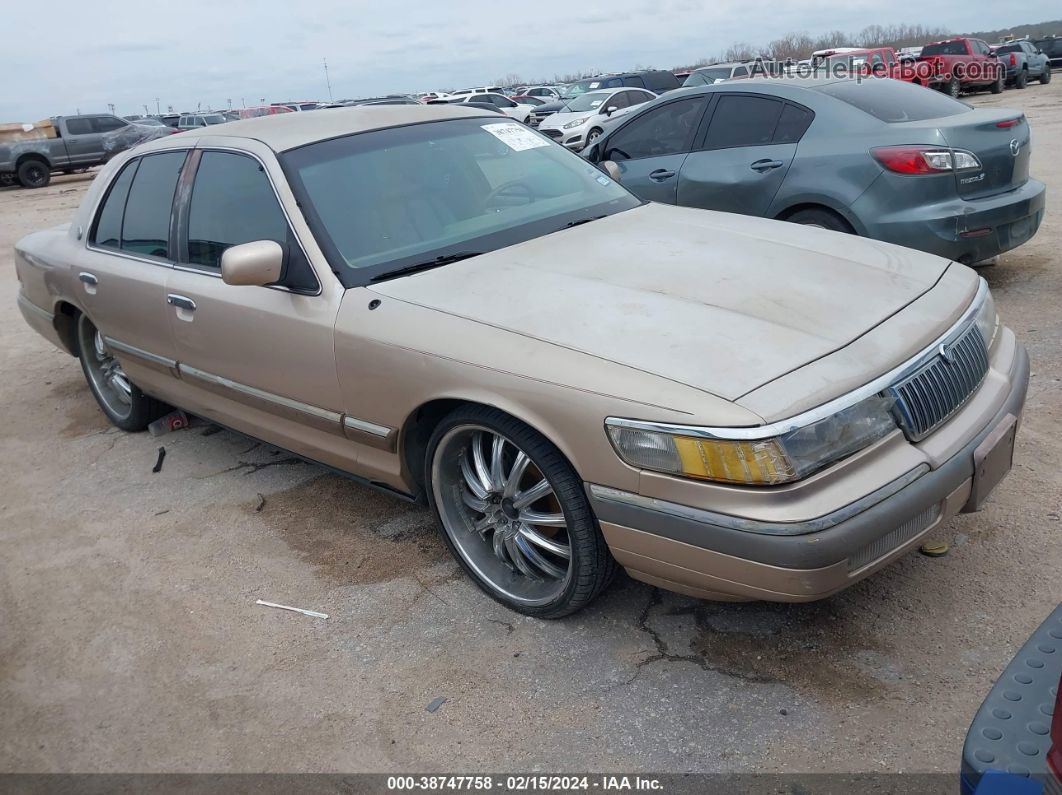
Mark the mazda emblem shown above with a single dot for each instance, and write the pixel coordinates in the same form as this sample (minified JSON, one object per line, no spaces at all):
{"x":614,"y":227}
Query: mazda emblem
{"x":1015,"y":147}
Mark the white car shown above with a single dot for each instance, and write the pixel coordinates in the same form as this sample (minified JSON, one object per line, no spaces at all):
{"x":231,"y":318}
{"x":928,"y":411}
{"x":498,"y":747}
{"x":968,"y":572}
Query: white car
{"x":584,"y":118}
{"x":481,"y":90}
{"x":507,"y":106}
{"x":548,"y":93}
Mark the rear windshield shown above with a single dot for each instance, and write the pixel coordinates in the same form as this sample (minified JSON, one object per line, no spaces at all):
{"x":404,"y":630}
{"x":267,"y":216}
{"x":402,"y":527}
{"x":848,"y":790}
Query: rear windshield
{"x":945,"y":48}
{"x":1009,"y":48}
{"x":894,"y":101}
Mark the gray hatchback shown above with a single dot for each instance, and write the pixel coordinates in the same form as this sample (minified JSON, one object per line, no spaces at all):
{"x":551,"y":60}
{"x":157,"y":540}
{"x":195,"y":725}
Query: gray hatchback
{"x":876,"y":157}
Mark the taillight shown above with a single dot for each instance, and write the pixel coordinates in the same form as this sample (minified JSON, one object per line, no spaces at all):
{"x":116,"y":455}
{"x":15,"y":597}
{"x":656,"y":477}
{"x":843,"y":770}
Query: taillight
{"x":1013,"y":59}
{"x":923,"y":159}
{"x":1008,"y":123}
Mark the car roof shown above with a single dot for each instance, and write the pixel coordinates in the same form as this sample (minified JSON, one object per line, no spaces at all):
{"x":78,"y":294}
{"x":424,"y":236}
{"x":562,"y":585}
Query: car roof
{"x":284,"y":131}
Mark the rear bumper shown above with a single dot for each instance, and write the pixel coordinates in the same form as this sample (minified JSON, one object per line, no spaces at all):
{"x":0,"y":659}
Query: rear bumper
{"x":679,"y":548}
{"x":967,"y":231}
{"x":40,"y":320}
{"x":1010,"y":732}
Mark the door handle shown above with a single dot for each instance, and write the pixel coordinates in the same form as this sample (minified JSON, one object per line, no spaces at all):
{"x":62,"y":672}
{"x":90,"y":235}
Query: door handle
{"x":766,"y":165}
{"x":661,"y":174}
{"x":88,"y":278}
{"x":181,"y":302}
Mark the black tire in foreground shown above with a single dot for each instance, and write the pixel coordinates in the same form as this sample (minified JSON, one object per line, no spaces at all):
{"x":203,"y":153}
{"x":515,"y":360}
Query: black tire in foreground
{"x":513,"y":512}
{"x":119,"y":398}
{"x":34,"y":173}
{"x":997,"y":87}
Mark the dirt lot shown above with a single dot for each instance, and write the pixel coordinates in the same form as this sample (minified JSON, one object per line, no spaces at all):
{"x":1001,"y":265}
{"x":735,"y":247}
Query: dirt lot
{"x":130,"y":641}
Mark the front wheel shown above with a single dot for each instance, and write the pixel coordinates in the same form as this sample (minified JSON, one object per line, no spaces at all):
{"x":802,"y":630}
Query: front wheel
{"x":119,"y":398}
{"x":1021,"y":80}
{"x":34,"y":174}
{"x":1045,"y":76}
{"x":514,"y":514}
{"x":997,"y":87}
{"x":592,"y":136}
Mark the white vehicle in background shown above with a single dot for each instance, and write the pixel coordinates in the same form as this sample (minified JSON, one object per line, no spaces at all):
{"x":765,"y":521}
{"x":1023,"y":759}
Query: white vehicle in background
{"x":507,"y":106}
{"x":584,"y":118}
{"x":481,"y":90}
{"x":548,"y":93}
{"x":428,"y":96}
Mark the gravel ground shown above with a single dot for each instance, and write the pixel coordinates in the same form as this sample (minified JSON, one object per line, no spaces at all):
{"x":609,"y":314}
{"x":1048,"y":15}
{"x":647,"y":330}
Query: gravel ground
{"x":130,"y":641}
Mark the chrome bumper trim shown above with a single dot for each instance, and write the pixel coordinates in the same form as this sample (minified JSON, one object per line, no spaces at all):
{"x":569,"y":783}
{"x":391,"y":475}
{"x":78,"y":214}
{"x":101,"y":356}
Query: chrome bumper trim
{"x":711,"y":518}
{"x":140,"y":353}
{"x":365,"y":426}
{"x":32,"y":307}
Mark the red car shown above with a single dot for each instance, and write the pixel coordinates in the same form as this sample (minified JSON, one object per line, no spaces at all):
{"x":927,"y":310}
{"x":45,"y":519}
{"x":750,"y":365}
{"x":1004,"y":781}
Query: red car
{"x":878,"y":62}
{"x":961,"y":64}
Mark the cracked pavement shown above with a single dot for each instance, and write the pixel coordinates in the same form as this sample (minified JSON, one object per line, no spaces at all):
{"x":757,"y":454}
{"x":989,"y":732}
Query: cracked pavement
{"x":130,"y":641}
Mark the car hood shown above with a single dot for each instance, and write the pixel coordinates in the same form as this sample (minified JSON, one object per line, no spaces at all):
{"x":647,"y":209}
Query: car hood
{"x":720,"y":302}
{"x":558,"y":120}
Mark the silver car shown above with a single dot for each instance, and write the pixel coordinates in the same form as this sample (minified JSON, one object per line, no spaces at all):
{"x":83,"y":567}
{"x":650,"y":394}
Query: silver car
{"x":583,"y":120}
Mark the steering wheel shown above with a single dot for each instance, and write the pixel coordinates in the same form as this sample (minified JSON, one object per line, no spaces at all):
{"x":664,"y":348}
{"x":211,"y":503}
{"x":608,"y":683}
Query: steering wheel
{"x":507,"y":189}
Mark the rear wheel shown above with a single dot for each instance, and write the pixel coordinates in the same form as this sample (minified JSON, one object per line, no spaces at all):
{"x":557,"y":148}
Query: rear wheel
{"x":997,"y":87}
{"x":121,"y":400}
{"x":822,"y":218}
{"x":953,"y":88}
{"x":1021,"y":79}
{"x":514,"y":514}
{"x":34,"y":174}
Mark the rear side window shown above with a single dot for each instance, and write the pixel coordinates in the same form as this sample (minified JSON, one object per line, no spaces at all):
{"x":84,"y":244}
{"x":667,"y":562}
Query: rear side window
{"x":109,"y":222}
{"x":743,"y":121}
{"x":233,"y":202}
{"x":894,"y":101}
{"x":663,"y":130}
{"x":79,"y":126}
{"x":792,"y":124}
{"x":146,"y":226}
{"x":637,"y":82}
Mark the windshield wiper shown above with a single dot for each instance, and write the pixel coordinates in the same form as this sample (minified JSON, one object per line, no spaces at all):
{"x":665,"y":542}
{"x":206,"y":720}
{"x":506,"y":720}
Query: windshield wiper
{"x":427,"y":265}
{"x":582,"y":221}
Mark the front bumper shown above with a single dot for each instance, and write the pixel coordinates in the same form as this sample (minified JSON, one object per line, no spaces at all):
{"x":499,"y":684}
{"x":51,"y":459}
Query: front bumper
{"x":1000,"y":222}
{"x":679,"y":548}
{"x":571,"y":139}
{"x":1011,"y":731}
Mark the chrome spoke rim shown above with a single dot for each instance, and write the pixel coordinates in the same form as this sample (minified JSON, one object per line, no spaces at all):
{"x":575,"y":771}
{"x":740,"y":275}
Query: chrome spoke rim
{"x":109,"y":381}
{"x":501,"y":514}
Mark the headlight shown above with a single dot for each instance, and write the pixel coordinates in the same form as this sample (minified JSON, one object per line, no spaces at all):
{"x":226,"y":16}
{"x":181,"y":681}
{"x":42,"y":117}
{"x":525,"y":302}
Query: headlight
{"x":987,"y":320}
{"x":576,"y":123}
{"x":756,"y":462}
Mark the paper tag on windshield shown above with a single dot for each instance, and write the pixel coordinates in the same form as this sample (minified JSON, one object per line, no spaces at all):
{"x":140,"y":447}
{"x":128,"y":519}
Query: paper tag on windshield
{"x":516,"y":136}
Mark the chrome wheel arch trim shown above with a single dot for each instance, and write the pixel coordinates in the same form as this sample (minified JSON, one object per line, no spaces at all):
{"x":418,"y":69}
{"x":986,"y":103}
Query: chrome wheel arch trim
{"x":827,"y":409}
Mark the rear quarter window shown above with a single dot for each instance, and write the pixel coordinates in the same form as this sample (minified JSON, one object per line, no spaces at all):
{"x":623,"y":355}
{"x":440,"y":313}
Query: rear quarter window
{"x":894,"y":101}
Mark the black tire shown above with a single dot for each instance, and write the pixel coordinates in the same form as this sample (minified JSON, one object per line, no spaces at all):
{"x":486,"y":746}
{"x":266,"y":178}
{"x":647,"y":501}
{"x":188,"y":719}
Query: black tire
{"x":592,"y":564}
{"x":827,"y":219}
{"x":997,"y":87}
{"x":34,"y":173}
{"x":1045,"y":76}
{"x":592,"y":136}
{"x":142,"y":409}
{"x":1021,"y":79}
{"x":953,"y":88}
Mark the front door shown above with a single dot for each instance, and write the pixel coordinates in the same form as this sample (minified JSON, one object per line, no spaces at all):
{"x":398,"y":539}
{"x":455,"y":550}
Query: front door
{"x":651,"y":148}
{"x":84,"y":144}
{"x":259,"y":359}
{"x":123,"y":270}
{"x":740,"y":166}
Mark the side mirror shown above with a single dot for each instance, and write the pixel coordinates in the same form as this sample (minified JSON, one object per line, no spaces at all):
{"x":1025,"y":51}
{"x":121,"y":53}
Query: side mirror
{"x":254,"y":264}
{"x":610,"y":110}
{"x":611,"y":169}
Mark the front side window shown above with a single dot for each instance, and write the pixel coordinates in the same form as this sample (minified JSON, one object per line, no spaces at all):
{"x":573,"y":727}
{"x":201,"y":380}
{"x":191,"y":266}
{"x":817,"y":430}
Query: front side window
{"x":233,"y":202}
{"x":389,"y":199}
{"x":743,"y":121}
{"x":146,"y":226}
{"x":664,"y":130}
{"x":635,"y":81}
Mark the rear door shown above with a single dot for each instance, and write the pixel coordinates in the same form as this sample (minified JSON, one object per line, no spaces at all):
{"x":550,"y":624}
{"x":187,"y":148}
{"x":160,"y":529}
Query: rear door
{"x":83,"y":143}
{"x":650,"y":149}
{"x":123,"y":272}
{"x":264,"y":354}
{"x":740,"y":165}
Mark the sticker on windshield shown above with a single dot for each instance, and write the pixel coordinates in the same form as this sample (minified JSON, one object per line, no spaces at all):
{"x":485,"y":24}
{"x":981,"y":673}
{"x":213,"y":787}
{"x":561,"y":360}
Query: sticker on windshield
{"x":594,"y":85}
{"x":516,"y":136}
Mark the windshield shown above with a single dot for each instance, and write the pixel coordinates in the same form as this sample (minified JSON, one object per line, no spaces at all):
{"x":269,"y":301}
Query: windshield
{"x":384,"y":200}
{"x":707,"y":76}
{"x":575,"y":89}
{"x":588,"y":101}
{"x":214,"y":118}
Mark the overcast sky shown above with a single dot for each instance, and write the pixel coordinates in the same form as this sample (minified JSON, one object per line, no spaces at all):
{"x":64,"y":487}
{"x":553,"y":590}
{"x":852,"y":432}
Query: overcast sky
{"x":84,"y":55}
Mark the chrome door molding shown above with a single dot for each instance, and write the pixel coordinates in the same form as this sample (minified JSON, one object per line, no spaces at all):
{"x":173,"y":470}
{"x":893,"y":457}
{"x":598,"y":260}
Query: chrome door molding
{"x":381,"y":437}
{"x":153,"y":360}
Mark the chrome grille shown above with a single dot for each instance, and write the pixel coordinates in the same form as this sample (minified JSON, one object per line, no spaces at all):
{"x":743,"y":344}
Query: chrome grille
{"x":929,"y":396}
{"x":894,"y":539}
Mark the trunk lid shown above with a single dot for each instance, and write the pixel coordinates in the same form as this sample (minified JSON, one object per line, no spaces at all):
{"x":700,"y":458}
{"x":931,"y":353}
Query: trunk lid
{"x":1003,"y":151}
